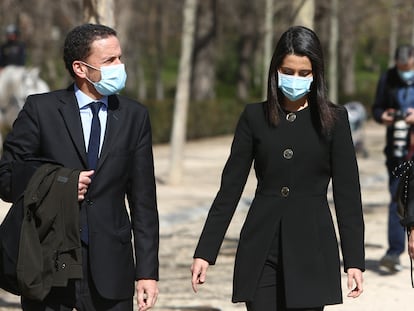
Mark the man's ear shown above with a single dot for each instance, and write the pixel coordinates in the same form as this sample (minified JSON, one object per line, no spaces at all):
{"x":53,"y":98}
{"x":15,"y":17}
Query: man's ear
{"x":79,"y":69}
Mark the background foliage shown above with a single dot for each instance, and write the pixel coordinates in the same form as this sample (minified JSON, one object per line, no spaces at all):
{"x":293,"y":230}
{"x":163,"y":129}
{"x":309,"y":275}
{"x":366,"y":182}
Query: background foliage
{"x":228,"y":71}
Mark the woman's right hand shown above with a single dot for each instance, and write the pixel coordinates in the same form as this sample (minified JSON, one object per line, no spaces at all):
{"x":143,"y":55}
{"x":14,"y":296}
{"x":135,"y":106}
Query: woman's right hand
{"x":198,"y":272}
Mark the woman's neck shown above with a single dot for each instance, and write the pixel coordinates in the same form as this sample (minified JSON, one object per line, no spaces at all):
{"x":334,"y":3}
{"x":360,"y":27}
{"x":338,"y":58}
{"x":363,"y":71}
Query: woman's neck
{"x":296,"y":105}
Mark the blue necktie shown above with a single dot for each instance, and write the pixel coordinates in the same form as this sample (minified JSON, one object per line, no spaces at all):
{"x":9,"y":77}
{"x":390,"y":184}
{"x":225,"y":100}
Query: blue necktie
{"x":93,"y":155}
{"x":95,"y":136}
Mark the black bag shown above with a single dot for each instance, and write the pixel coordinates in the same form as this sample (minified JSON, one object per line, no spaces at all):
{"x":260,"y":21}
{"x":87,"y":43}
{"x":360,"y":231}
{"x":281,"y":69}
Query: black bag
{"x":403,"y":172}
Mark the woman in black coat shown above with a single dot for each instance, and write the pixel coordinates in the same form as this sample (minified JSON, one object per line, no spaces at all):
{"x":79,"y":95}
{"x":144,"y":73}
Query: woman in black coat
{"x":288,"y":254}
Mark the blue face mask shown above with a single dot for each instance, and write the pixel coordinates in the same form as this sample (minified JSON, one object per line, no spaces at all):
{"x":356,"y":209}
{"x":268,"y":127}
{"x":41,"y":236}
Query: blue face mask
{"x":406,"y":75}
{"x":112,"y":81}
{"x":294,"y":87}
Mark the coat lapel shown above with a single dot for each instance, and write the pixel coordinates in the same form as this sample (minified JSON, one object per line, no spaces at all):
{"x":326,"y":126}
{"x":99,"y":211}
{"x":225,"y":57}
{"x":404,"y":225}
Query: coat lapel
{"x":113,"y":127}
{"x":70,"y":113}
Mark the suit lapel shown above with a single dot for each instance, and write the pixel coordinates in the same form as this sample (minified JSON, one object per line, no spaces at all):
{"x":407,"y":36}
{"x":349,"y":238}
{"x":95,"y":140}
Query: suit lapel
{"x":113,"y":127}
{"x":70,"y":113}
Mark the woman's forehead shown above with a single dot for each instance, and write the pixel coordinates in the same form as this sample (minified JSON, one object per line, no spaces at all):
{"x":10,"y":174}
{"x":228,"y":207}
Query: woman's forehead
{"x":296,"y":61}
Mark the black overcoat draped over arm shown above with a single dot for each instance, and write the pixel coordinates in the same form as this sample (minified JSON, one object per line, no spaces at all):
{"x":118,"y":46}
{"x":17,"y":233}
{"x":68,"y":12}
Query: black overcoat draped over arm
{"x":294,"y":166}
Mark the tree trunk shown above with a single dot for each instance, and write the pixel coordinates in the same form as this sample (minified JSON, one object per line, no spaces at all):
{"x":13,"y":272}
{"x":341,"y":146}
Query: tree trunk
{"x":159,"y":85}
{"x":333,"y":53}
{"x":348,"y":50}
{"x":246,"y":48}
{"x":267,"y":44}
{"x":182,"y":95}
{"x":99,"y":12}
{"x":412,"y":27}
{"x":203,"y":75}
{"x":393,"y":31}
{"x":304,"y":12}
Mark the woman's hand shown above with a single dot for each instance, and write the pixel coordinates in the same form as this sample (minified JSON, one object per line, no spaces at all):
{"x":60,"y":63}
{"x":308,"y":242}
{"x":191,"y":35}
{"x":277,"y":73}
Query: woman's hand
{"x":198,"y":272}
{"x":355,"y":282}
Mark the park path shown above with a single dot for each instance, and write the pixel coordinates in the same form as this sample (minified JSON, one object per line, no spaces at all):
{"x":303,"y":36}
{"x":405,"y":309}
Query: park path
{"x":183,"y":210}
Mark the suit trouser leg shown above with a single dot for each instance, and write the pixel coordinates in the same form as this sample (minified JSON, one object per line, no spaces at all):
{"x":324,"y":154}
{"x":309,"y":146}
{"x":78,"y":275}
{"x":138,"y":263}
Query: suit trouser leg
{"x":269,"y":294}
{"x":79,"y":294}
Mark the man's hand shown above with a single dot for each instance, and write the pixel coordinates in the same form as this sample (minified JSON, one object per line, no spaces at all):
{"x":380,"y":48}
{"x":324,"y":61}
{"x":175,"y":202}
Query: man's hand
{"x":387,"y":116}
{"x":147,"y":293}
{"x":409,"y":119}
{"x":83,"y":183}
{"x":354,"y":282}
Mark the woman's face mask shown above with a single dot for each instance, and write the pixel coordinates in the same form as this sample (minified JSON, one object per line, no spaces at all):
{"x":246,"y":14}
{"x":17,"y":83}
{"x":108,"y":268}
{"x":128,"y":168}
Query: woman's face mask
{"x":294,"y":87}
{"x":112,"y":81}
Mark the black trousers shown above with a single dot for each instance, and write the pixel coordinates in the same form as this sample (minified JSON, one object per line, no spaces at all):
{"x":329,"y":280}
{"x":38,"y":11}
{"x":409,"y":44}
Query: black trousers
{"x":270,"y":295}
{"x":79,"y":294}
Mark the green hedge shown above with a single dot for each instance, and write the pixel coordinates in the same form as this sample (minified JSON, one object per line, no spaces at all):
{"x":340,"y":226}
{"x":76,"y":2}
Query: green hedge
{"x":205,"y":119}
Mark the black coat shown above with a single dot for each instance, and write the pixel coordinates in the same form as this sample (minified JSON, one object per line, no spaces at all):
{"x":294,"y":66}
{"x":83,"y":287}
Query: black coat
{"x":49,"y":247}
{"x":49,"y":126}
{"x":293,"y":167}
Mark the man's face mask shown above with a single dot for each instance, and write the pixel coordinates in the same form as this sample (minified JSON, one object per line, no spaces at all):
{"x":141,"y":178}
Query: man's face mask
{"x":112,"y":81}
{"x":406,"y":75}
{"x":294,"y":87}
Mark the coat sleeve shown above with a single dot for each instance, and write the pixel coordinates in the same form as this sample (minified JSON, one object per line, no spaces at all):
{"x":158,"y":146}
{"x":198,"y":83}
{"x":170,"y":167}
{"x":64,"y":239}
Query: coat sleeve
{"x":347,"y":194}
{"x":381,"y":98}
{"x":143,"y":205}
{"x":233,"y":180}
{"x":20,"y":144}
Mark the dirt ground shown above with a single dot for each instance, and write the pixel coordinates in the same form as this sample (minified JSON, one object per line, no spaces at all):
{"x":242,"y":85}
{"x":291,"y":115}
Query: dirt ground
{"x":183,"y":210}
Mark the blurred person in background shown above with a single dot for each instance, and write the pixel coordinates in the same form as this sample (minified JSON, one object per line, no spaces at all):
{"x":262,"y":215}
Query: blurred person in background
{"x":13,"y":51}
{"x":393,"y":107}
{"x":288,"y":257}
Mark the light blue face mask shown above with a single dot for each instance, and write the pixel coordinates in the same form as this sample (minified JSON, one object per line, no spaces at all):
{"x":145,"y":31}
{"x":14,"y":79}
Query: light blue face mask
{"x":406,"y":75}
{"x":112,"y":81}
{"x":294,"y":87}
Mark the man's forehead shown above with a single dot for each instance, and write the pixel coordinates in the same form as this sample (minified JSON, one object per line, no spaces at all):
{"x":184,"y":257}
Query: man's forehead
{"x":106,"y":47}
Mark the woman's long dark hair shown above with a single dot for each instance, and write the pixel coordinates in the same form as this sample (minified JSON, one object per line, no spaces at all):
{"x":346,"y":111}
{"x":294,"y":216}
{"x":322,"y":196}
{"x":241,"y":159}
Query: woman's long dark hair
{"x":300,"y":41}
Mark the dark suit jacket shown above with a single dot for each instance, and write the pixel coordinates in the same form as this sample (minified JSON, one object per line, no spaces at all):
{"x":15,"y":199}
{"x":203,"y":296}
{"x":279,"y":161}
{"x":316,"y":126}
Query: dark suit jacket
{"x":49,"y":126}
{"x":293,"y":167}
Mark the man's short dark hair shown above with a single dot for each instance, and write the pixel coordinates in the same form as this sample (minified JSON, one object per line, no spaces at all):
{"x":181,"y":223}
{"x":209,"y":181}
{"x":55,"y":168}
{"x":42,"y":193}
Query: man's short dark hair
{"x":403,"y":54}
{"x":78,"y":42}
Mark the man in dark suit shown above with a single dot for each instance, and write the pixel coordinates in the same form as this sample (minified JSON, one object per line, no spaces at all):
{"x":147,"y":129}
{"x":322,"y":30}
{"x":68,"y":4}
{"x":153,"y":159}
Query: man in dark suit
{"x":111,"y":143}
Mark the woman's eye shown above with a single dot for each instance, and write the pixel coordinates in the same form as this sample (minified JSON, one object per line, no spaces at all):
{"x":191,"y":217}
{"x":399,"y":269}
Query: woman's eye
{"x":305,"y":73}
